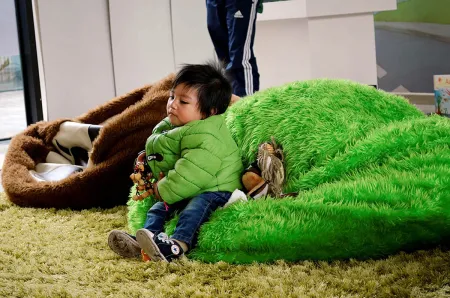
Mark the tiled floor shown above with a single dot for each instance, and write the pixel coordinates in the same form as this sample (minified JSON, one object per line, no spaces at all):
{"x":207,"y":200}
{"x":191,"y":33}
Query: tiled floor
{"x":3,"y":148}
{"x":12,"y":113}
{"x":12,"y":119}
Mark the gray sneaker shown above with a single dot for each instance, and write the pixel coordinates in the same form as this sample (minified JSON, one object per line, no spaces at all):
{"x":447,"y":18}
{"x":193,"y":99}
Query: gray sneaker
{"x":159,"y":247}
{"x":124,"y":244}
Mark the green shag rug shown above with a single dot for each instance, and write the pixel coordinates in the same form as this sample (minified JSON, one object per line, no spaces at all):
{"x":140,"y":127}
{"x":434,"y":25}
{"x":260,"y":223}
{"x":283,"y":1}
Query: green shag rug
{"x":372,"y":170}
{"x":64,"y":253}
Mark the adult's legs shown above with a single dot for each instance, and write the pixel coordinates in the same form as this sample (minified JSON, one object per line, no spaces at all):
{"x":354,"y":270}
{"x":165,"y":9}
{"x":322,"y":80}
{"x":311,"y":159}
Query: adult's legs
{"x":217,"y":28}
{"x":241,"y":21}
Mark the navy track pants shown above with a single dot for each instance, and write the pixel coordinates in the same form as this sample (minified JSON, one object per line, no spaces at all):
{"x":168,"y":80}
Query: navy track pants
{"x":231,"y":25}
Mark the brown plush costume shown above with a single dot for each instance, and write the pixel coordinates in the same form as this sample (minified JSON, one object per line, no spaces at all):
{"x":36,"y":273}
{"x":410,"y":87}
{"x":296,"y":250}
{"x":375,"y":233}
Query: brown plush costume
{"x":127,"y":122}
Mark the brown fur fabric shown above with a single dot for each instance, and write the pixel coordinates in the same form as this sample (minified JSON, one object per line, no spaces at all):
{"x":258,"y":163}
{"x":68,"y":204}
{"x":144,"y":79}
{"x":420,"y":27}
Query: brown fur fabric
{"x":128,"y":121}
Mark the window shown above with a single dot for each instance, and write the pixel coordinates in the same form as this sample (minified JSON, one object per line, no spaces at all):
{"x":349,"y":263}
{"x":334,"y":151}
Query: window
{"x":413,"y":44}
{"x":12,"y":104}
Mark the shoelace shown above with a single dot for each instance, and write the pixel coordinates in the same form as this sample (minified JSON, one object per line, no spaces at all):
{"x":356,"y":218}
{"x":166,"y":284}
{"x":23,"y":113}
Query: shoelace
{"x":168,"y":241}
{"x":162,"y":236}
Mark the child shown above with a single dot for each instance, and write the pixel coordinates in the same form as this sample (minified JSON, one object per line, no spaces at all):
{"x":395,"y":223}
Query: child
{"x":200,"y":161}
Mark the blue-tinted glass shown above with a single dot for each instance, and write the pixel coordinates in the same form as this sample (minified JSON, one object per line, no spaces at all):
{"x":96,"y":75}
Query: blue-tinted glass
{"x":413,"y":44}
{"x":12,"y":106}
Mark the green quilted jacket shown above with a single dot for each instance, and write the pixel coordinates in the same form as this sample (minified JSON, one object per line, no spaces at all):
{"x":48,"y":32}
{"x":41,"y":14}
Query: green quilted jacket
{"x":198,"y":157}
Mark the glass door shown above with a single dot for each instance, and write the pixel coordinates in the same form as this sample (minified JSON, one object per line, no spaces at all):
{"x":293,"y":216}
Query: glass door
{"x":413,"y":45}
{"x":20,"y":94}
{"x":12,"y":103}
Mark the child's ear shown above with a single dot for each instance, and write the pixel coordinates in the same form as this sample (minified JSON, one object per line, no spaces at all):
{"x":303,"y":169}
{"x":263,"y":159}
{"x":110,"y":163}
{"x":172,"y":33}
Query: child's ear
{"x":213,"y":111}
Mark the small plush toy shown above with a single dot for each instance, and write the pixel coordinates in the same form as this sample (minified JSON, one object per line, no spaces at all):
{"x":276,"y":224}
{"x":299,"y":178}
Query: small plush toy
{"x":142,"y":177}
{"x":265,"y":176}
{"x":253,"y":183}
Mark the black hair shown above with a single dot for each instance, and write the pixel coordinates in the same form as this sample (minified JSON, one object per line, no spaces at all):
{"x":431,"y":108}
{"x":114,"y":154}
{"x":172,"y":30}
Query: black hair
{"x":211,"y":82}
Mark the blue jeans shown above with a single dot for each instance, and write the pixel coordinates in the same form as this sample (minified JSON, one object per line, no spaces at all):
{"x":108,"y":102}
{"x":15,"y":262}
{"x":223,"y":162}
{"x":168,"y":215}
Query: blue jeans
{"x":194,"y":213}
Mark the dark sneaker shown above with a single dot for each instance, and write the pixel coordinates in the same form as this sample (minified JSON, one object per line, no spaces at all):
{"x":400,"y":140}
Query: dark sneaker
{"x":123,"y":244}
{"x":159,"y":247}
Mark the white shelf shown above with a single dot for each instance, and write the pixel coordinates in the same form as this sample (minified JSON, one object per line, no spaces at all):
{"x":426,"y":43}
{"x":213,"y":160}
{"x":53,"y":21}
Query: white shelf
{"x":319,"y":8}
{"x":298,"y":9}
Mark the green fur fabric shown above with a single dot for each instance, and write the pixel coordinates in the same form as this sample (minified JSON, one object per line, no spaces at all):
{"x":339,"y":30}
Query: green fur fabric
{"x":137,"y":210}
{"x":137,"y":213}
{"x":372,"y":172}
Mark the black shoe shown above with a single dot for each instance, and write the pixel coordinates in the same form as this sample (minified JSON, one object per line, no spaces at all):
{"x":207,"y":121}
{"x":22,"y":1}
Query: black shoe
{"x":124,"y":245}
{"x":158,"y":247}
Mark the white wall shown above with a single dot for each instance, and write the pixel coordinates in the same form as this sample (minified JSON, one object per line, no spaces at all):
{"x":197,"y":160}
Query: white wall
{"x":319,"y":8}
{"x":281,"y":58}
{"x":9,"y":42}
{"x":76,"y":55}
{"x":191,"y":40}
{"x":141,"y":42}
{"x":92,"y":50}
{"x":152,"y":38}
{"x":343,"y":47}
{"x":295,"y":40}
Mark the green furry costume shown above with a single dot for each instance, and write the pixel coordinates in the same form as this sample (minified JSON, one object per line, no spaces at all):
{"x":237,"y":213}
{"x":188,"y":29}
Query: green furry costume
{"x":373,"y":174}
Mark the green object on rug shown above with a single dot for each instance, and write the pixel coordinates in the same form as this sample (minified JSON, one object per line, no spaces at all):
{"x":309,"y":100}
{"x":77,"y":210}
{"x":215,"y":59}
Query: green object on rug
{"x":137,"y":213}
{"x":137,"y":210}
{"x":417,"y":11}
{"x":372,"y":170}
{"x":64,"y":253}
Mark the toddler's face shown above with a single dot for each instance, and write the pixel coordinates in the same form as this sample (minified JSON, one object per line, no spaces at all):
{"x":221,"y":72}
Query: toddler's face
{"x":182,"y":106}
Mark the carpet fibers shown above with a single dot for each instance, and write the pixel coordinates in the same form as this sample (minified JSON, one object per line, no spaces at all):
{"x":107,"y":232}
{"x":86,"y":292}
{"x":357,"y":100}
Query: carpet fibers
{"x":64,"y":253}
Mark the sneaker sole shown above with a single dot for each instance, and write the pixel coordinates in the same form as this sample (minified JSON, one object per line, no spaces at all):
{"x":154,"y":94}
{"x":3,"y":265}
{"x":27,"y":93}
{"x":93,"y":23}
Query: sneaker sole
{"x":145,"y":240}
{"x":128,"y":250}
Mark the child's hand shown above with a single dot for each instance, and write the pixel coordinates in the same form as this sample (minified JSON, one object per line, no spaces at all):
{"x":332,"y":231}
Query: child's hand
{"x":234,"y":99}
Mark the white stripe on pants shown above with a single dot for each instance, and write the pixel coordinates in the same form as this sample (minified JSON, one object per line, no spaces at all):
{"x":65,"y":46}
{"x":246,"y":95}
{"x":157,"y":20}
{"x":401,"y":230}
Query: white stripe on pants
{"x":248,"y":72}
